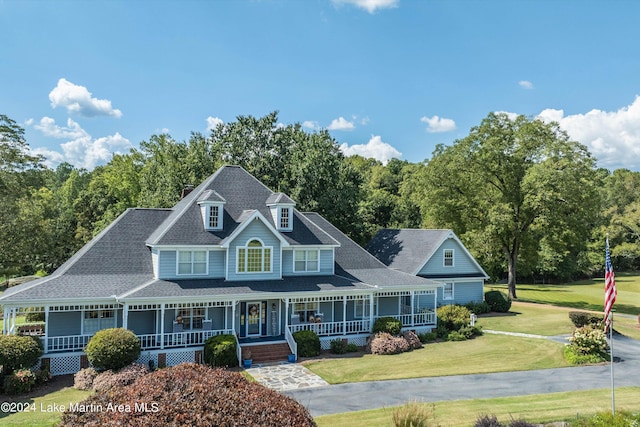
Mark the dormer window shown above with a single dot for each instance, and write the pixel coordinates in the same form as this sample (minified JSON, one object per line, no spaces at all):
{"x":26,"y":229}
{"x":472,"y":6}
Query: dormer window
{"x":214,"y":216}
{"x":212,"y":209}
{"x":285,"y":214}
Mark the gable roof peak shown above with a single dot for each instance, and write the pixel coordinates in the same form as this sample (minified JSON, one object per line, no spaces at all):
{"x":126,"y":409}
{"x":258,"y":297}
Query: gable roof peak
{"x":279,"y":199}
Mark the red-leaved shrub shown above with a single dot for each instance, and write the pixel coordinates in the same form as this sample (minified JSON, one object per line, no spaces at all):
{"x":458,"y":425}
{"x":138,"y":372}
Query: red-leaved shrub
{"x":125,"y":376}
{"x":384,"y":343}
{"x":190,"y":395}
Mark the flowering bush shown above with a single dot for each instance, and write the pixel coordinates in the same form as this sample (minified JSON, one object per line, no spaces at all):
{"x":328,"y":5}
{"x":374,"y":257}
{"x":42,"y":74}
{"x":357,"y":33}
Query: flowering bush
{"x":19,"y":381}
{"x":191,"y":395}
{"x":384,"y":343}
{"x":83,"y":379}
{"x":127,"y":375}
{"x":587,"y":345}
{"x":412,"y":339}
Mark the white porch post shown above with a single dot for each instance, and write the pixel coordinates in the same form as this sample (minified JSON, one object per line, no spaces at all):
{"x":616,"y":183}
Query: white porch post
{"x":125,"y":316}
{"x":413,"y":308}
{"x":344,"y":314}
{"x":371,"y":305}
{"x":46,"y":329}
{"x":435,"y":306}
{"x":5,"y":318}
{"x":162,"y":307}
{"x":233,"y":316}
{"x":14,"y":310}
{"x":226,"y":315}
{"x":286,"y":315}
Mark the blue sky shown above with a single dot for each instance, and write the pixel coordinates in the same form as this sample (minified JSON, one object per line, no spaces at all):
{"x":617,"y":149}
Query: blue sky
{"x":388,"y":78}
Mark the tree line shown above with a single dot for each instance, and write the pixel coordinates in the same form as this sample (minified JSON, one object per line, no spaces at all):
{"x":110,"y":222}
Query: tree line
{"x":528,"y":202}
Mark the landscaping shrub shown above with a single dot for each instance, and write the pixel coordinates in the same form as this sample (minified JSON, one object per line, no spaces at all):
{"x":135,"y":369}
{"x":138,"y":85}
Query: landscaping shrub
{"x":471,"y":331}
{"x":587,"y":344}
{"x":487,"y":421}
{"x":108,"y":379}
{"x":385,"y":343}
{"x":19,"y":381}
{"x":582,"y":318}
{"x":498,"y":301}
{"x":34,"y":316}
{"x":478,"y":307}
{"x":521,"y":422}
{"x":308,"y":343}
{"x":83,"y":379}
{"x":352,"y":348}
{"x":113,"y":349}
{"x":338,"y":346}
{"x":414,"y":414}
{"x":191,"y":395}
{"x":605,"y":419}
{"x":454,"y":317}
{"x":412,"y":339}
{"x":426,"y":337}
{"x":43,"y":375}
{"x":456,"y":336}
{"x":389,"y":325}
{"x":221,"y":351}
{"x":17,"y":351}
{"x":441,"y":330}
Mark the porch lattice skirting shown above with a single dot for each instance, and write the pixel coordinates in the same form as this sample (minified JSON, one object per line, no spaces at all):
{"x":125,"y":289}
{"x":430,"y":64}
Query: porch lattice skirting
{"x":70,"y":363}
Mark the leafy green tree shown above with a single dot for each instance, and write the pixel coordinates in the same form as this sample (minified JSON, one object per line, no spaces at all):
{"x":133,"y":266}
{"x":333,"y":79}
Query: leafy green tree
{"x":510,"y":183}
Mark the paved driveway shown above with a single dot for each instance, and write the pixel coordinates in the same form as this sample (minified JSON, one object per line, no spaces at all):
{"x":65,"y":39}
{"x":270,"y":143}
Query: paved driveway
{"x":377,"y":394}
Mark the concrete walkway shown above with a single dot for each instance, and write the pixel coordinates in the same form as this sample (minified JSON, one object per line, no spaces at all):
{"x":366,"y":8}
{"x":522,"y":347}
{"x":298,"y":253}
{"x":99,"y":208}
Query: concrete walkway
{"x":378,"y":394}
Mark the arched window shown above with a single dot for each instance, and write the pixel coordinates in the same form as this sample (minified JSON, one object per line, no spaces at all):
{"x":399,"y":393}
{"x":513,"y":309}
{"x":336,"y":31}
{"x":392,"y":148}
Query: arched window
{"x":254,"y":258}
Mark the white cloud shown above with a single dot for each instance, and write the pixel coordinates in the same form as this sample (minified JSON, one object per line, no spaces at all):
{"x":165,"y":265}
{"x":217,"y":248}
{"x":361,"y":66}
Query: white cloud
{"x":369,"y":5}
{"x":613,"y":137}
{"x":311,"y":124}
{"x":438,"y":124}
{"x":510,"y":115}
{"x":82,"y":150}
{"x":49,"y":128}
{"x":341,"y":124}
{"x":525,"y":84}
{"x":78,"y":100}
{"x":213,"y":122}
{"x":375,"y":148}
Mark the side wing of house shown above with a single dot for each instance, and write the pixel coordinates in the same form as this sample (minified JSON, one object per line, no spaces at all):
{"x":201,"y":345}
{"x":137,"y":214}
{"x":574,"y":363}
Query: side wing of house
{"x":453,"y":265}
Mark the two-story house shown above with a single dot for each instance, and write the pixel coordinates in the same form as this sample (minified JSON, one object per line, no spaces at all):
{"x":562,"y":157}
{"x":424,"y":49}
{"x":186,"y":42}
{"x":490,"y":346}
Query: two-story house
{"x":231,"y":257}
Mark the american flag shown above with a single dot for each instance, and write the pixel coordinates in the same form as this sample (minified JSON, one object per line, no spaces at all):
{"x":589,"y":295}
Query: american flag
{"x":610,"y":291}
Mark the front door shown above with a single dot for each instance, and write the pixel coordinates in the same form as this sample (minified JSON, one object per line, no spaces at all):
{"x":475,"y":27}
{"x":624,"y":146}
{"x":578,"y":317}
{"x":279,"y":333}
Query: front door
{"x":254,"y":319}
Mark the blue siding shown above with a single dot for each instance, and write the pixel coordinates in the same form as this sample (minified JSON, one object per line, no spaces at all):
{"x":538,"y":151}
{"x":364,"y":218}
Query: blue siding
{"x":142,"y":322}
{"x":463,"y":292}
{"x":462,"y":263}
{"x":326,"y":264}
{"x":255,"y":230}
{"x":167,"y":265}
{"x":64,"y":323}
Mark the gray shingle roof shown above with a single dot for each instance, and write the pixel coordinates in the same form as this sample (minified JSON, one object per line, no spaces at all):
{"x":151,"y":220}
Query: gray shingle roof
{"x":406,"y":249}
{"x":115,"y":261}
{"x":242,"y":192}
{"x":210,"y":196}
{"x":279,"y":198}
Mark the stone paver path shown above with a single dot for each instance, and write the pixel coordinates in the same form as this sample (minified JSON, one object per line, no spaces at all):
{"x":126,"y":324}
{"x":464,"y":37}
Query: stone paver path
{"x":286,"y":376}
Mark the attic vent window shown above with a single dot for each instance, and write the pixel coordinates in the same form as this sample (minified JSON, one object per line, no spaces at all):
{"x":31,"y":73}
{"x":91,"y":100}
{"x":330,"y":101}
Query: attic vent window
{"x":284,"y":218}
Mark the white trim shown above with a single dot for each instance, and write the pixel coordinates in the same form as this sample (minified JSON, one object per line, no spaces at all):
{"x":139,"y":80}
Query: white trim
{"x":246,"y":247}
{"x":306,"y":260}
{"x":453,"y":291}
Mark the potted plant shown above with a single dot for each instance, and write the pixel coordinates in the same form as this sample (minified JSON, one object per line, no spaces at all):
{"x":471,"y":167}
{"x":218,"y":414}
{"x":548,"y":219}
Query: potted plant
{"x":246,"y":358}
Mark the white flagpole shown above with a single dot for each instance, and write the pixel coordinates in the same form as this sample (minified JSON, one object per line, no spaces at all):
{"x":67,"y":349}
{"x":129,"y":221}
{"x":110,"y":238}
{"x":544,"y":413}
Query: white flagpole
{"x":613,"y":394}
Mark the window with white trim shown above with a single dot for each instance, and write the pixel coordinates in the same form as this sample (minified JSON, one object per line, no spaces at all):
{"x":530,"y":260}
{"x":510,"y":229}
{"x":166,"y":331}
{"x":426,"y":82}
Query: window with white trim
{"x":447,"y":291}
{"x":448,"y":257}
{"x":306,"y":260}
{"x":95,"y":320}
{"x":285,"y":214}
{"x":254,"y":258}
{"x":192,"y":262}
{"x":191,"y":318}
{"x":214,"y":212}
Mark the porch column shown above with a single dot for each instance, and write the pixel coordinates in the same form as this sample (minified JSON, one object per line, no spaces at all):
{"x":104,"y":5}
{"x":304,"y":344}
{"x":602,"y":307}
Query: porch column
{"x":46,"y":329}
{"x":162,"y":307}
{"x":286,"y":315}
{"x":435,"y":306}
{"x":413,"y":308}
{"x":125,"y":316}
{"x":5,"y":318}
{"x":344,"y":314}
{"x":226,"y":315}
{"x":233,"y":316}
{"x":14,"y":310}
{"x":371,"y":305}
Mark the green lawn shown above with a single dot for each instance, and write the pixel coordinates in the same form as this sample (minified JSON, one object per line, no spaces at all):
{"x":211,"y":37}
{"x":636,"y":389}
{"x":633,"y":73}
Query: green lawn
{"x":488,"y":353}
{"x":45,"y":410}
{"x":584,"y":295}
{"x":535,"y":319}
{"x":541,"y":408}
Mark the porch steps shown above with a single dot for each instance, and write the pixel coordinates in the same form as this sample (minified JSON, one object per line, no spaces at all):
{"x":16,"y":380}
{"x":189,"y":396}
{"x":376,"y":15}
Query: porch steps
{"x":268,"y":353}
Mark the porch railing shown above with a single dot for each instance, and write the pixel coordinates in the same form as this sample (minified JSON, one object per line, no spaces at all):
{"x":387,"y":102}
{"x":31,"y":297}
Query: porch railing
{"x":293,"y":345}
{"x":418,"y":319}
{"x":147,"y":341}
{"x":335,"y":328}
